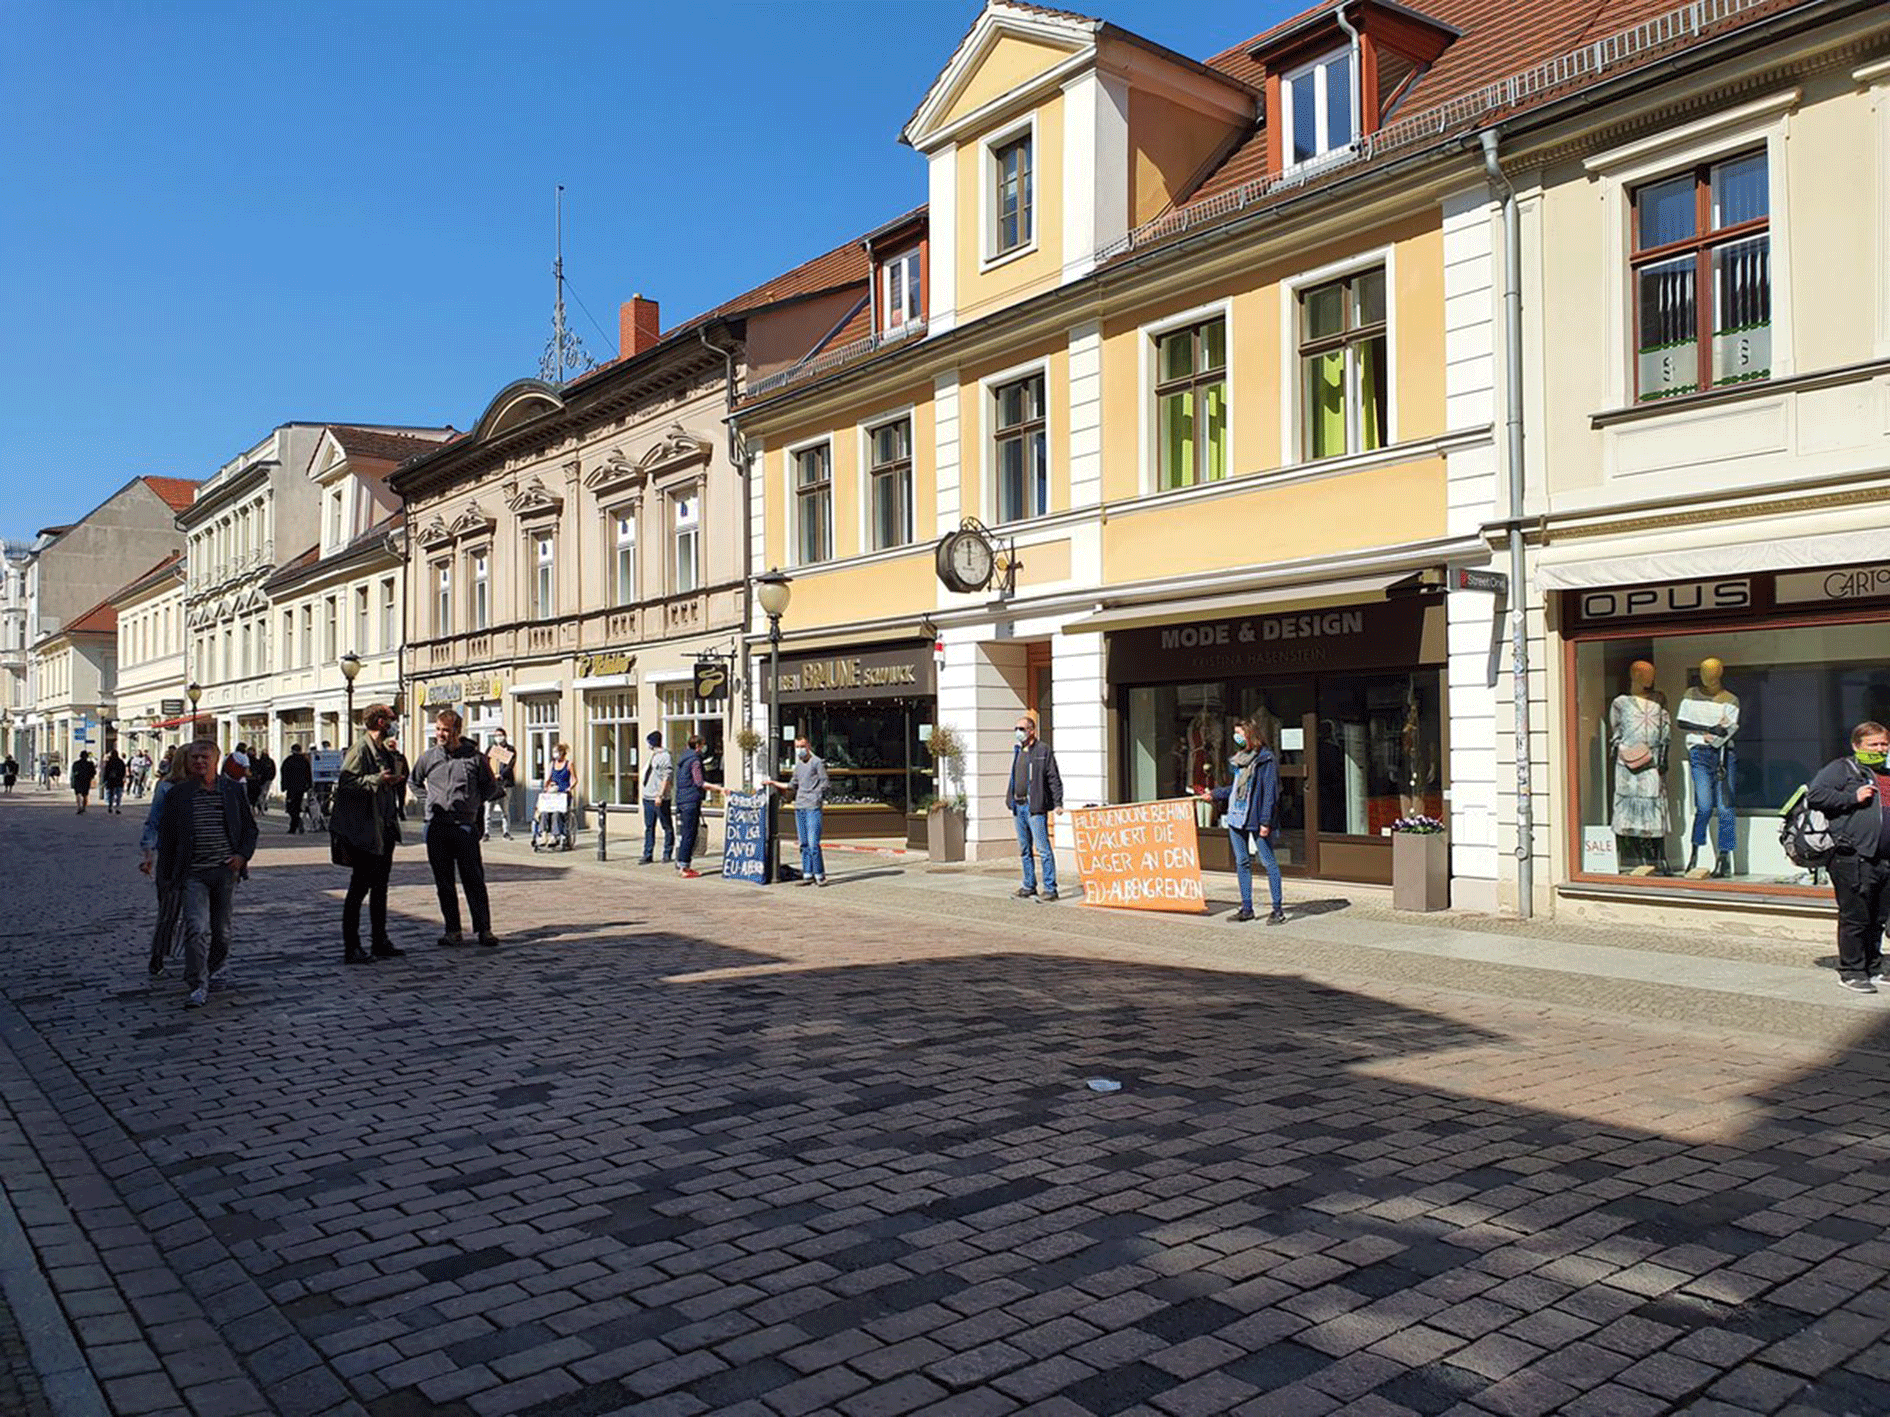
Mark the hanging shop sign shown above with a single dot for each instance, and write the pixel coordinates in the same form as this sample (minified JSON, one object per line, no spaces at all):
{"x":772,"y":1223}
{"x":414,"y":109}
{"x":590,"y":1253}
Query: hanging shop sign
{"x":1143,"y":856}
{"x":711,"y":680}
{"x":1390,"y":634}
{"x":902,"y":673}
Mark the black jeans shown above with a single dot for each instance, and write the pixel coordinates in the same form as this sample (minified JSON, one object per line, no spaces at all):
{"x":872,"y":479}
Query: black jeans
{"x":451,"y":845}
{"x":689,"y":815}
{"x":1863,"y":902}
{"x":293,"y":805}
{"x":368,"y":880}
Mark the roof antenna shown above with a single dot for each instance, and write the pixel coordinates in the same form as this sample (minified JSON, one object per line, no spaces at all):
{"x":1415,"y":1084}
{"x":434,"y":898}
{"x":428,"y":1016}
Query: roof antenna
{"x":565,"y":351}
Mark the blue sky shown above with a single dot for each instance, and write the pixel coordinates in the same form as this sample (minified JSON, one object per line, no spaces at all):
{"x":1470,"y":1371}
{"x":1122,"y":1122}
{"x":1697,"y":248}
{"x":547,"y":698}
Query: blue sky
{"x":220,"y":216}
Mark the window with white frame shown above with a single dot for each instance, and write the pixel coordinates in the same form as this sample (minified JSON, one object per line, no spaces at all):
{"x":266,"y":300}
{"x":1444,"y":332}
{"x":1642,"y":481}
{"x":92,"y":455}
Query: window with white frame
{"x":623,"y":541}
{"x":544,"y":575}
{"x":1191,"y":404}
{"x":1702,"y":264}
{"x":361,"y":643}
{"x":1020,"y":449}
{"x":889,"y":483}
{"x":900,"y":299}
{"x":1013,"y":204}
{"x":685,"y":519}
{"x":1344,"y":361}
{"x":331,"y":636}
{"x":442,"y":599}
{"x":479,"y":564}
{"x":288,"y":637}
{"x":390,"y":616}
{"x":334,"y":518}
{"x":813,"y":504}
{"x":307,"y":656}
{"x":1316,"y":108}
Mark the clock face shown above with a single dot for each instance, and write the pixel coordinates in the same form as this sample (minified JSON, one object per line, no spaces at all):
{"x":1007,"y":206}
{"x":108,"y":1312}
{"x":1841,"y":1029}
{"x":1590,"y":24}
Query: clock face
{"x":971,"y":560}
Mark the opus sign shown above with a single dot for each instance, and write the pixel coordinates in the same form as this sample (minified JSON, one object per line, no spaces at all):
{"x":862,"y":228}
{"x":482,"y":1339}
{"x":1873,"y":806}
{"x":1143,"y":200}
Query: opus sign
{"x":1679,"y":598}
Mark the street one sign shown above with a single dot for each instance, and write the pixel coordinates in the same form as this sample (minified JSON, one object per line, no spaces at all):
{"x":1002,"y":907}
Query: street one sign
{"x":1495,"y":582}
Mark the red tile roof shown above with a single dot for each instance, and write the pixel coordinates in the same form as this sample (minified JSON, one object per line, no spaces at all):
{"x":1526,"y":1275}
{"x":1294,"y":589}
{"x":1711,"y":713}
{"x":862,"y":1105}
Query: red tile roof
{"x":178,"y":492}
{"x":388,"y":447}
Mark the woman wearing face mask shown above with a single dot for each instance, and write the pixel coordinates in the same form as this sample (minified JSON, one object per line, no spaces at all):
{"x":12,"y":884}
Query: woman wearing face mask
{"x":809,"y":786}
{"x":1854,"y":795}
{"x":559,"y":777}
{"x":1251,"y":800}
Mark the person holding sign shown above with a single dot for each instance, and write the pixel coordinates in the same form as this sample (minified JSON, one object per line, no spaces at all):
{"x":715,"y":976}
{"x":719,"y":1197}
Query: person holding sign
{"x":809,"y":786}
{"x":1252,"y":801}
{"x":690,"y":787}
{"x":1034,"y":794}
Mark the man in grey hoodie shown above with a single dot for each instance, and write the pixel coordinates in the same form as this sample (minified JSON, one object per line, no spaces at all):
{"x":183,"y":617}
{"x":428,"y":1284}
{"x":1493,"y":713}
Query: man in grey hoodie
{"x":456,"y":783}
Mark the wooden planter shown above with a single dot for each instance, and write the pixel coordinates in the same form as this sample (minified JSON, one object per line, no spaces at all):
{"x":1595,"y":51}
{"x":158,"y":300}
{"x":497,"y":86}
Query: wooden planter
{"x":945,"y":834}
{"x":1420,"y":870}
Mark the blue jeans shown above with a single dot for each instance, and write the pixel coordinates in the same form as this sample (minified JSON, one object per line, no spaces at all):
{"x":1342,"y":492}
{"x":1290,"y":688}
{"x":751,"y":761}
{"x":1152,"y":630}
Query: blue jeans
{"x":689,"y":818}
{"x":807,"y":828}
{"x":1033,"y":830}
{"x":1248,"y":847}
{"x":1712,"y":793}
{"x":655,"y":811}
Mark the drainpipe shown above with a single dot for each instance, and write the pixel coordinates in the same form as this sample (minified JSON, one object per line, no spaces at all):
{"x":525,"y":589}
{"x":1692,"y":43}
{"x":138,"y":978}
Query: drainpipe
{"x":1357,"y":85}
{"x":1513,"y":439}
{"x":740,"y":465}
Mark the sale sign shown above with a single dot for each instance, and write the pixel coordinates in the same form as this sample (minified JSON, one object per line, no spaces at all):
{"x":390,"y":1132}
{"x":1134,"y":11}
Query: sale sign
{"x":1143,"y":856}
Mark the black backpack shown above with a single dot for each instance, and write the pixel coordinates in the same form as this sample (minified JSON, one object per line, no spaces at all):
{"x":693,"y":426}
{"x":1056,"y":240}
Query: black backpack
{"x":1805,"y":832}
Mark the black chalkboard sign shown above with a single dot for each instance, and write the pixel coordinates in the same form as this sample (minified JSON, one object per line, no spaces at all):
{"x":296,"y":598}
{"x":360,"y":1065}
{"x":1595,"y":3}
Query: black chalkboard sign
{"x":748,"y":838}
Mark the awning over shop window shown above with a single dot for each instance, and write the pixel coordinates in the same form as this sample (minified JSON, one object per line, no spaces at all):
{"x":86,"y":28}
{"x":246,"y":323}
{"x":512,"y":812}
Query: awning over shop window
{"x":1699,"y":563}
{"x":1214,"y":607}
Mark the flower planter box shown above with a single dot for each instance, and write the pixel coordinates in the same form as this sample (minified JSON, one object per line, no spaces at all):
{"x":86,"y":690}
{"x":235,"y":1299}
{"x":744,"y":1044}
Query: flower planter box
{"x":1420,"y":870}
{"x":945,"y":834}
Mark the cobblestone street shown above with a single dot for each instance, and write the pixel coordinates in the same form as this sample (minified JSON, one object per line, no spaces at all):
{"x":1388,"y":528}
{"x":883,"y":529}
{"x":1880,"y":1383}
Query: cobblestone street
{"x":687,"y":1146}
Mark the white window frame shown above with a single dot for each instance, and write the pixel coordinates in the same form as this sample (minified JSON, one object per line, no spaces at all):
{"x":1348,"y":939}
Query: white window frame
{"x":1292,"y":415}
{"x":442,"y":599}
{"x":1319,"y":71}
{"x":363,"y":619}
{"x":390,"y":613}
{"x":676,"y":497}
{"x":614,"y":522}
{"x":1149,"y":424}
{"x":866,"y":428}
{"x":988,"y":430}
{"x":792,"y":473}
{"x":989,"y":257}
{"x":479,"y":581}
{"x":544,"y":545}
{"x":892,"y":277}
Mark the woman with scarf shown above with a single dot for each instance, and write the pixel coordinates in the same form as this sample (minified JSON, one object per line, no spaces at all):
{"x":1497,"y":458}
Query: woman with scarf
{"x":1252,"y":800}
{"x":363,"y":829}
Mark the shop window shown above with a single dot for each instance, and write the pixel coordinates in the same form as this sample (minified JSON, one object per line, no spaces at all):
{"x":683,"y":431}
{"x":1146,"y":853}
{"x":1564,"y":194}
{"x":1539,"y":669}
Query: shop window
{"x":614,"y":748}
{"x":1191,"y":404}
{"x":684,"y":714}
{"x":481,"y":590}
{"x":900,"y":300}
{"x":686,"y":520}
{"x":1702,"y":270}
{"x":889,"y":478}
{"x":624,"y":557}
{"x":1344,"y":371}
{"x":1379,"y":755}
{"x":874,"y":752}
{"x":1316,"y":104}
{"x":1020,"y":449}
{"x":813,"y":504}
{"x":442,"y":600}
{"x":542,"y":729}
{"x":1686,"y":745}
{"x":544,"y":576}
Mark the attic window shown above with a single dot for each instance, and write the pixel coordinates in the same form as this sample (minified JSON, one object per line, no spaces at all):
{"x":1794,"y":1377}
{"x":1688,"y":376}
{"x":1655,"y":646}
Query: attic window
{"x":1316,"y":108}
{"x":900,"y":298}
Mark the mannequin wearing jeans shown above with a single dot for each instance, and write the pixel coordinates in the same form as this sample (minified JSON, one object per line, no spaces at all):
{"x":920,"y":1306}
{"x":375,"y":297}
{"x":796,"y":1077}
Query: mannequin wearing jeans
{"x":1709,"y":715}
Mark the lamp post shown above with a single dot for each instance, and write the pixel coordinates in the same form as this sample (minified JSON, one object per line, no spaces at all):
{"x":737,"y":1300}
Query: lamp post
{"x":773,"y":591}
{"x":193,"y":693}
{"x":350,"y":667}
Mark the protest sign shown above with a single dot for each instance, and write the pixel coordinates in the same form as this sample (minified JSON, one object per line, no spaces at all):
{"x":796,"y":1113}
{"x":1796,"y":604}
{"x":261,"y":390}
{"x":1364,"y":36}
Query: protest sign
{"x":1143,"y":856}
{"x":748,"y":838}
{"x":324,"y":765}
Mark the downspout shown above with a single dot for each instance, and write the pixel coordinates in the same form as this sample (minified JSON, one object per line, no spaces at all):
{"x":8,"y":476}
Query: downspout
{"x":1357,"y":86}
{"x":1513,"y":455}
{"x":740,"y":465}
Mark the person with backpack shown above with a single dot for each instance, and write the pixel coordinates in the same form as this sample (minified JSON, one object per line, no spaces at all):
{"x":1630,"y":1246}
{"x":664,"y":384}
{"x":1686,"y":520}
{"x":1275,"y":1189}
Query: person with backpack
{"x":1854,"y":794}
{"x":83,"y":773}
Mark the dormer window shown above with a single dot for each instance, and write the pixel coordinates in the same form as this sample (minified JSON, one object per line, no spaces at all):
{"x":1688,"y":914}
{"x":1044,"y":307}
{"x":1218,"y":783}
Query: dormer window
{"x":1317,"y":108}
{"x":900,"y":294}
{"x":1010,"y":198}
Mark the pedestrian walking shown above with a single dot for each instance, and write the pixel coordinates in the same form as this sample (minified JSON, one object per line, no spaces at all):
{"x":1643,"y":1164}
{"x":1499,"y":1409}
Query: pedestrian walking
{"x":84,"y":772}
{"x":297,"y":778}
{"x":206,"y":835}
{"x":9,"y":773}
{"x":1853,"y":792}
{"x":457,"y":784}
{"x":111,"y":781}
{"x":165,"y":933}
{"x":262,"y":773}
{"x":659,"y":778}
{"x":1251,"y":800}
{"x":50,"y":773}
{"x":363,"y":831}
{"x":502,"y":761}
{"x":808,"y":783}
{"x":690,"y":787}
{"x":561,"y":782}
{"x":1033,"y":793}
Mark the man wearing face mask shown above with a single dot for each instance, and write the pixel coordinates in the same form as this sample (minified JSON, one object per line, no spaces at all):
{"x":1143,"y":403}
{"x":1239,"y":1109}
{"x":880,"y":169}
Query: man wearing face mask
{"x":809,"y":786}
{"x":1033,"y":793}
{"x":1854,"y":795}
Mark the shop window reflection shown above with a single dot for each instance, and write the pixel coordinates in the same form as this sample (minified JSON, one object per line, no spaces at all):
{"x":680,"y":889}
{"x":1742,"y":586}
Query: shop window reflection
{"x":1379,"y":755}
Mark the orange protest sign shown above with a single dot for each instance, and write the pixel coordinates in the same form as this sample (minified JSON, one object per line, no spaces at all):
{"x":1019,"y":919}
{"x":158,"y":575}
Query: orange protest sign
{"x":1143,"y":856}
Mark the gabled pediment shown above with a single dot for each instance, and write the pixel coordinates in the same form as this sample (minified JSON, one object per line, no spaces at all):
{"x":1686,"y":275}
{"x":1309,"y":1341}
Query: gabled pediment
{"x":435,"y":533}
{"x":533,"y":499}
{"x":616,"y":472}
{"x":472,"y":521}
{"x":677,"y":448}
{"x":1010,"y":52}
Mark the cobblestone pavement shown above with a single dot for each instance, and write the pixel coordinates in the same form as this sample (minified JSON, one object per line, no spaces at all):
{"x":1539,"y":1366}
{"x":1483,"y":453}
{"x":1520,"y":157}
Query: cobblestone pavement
{"x":680,"y":1147}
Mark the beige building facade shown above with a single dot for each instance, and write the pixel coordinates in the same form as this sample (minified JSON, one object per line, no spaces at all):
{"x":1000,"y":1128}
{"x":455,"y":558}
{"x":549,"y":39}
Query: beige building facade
{"x":153,"y":711}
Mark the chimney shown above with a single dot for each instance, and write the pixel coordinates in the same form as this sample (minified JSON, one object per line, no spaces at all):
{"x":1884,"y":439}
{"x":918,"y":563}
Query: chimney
{"x":638,"y":326}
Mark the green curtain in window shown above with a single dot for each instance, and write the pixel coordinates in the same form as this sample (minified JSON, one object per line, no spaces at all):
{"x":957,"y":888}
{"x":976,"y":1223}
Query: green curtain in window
{"x":1214,"y":451}
{"x":1371,"y":395}
{"x":1177,"y":439}
{"x":1325,"y":404}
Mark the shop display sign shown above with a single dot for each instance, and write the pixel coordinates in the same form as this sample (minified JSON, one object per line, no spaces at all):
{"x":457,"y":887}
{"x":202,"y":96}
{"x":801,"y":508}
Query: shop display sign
{"x":1678,"y":598}
{"x":169,"y":708}
{"x":1378,"y":634}
{"x":1143,"y":856}
{"x":1838,"y":586}
{"x":605,"y":662}
{"x":748,"y":838}
{"x":1601,"y":855}
{"x":457,"y":691}
{"x":870,"y":674}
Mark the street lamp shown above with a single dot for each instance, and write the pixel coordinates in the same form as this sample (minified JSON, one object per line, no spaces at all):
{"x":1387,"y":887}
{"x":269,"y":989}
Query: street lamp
{"x":773,"y":591}
{"x":193,"y":693}
{"x":350,"y":667}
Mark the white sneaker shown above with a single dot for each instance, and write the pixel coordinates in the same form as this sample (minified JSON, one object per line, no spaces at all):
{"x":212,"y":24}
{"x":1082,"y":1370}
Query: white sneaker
{"x":198,"y":997}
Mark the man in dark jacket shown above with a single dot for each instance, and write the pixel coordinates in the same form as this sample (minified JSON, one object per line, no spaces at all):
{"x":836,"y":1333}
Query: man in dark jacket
{"x":689,"y":787}
{"x":1034,"y":793}
{"x":297,"y":777}
{"x":456,"y":783}
{"x":262,"y":772}
{"x":1854,"y":795}
{"x":206,"y":835}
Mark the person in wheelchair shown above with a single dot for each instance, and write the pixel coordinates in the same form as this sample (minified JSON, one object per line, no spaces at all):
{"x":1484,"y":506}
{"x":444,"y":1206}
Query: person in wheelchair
{"x":551,"y":827}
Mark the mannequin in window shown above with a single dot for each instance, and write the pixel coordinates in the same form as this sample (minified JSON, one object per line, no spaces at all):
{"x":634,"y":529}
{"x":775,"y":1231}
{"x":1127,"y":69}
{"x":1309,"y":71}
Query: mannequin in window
{"x":1709,"y":717}
{"x":1639,"y":730}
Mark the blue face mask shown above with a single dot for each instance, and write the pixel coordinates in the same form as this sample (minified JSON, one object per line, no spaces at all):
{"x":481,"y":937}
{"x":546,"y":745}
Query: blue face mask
{"x":1240,"y":740}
